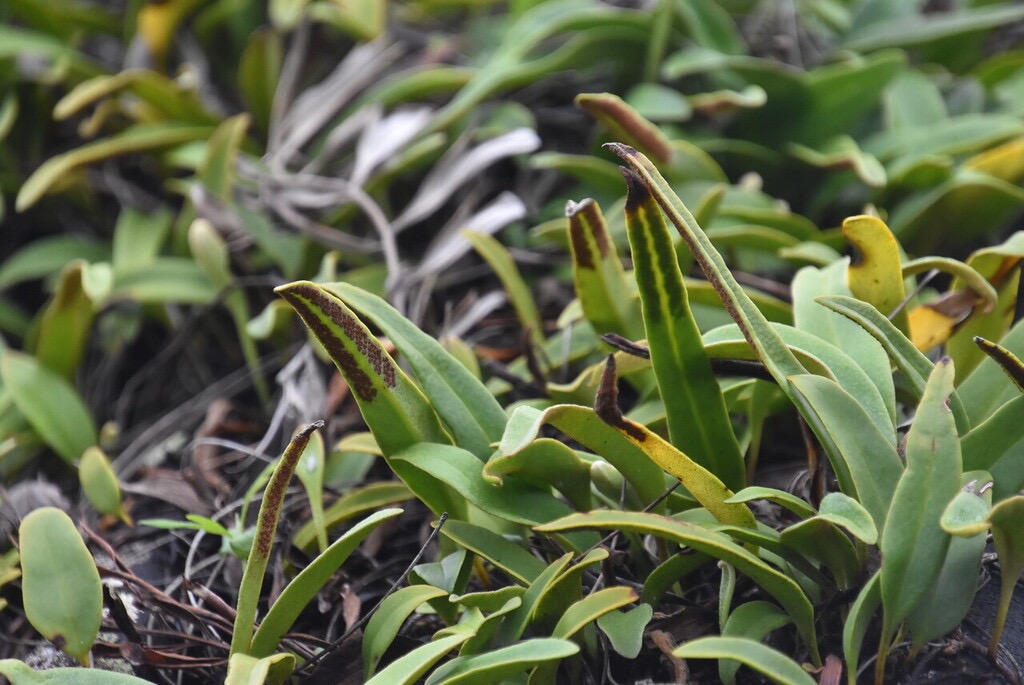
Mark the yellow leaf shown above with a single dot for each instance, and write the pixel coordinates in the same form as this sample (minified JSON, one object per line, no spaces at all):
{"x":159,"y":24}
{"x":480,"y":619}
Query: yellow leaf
{"x":876,"y":277}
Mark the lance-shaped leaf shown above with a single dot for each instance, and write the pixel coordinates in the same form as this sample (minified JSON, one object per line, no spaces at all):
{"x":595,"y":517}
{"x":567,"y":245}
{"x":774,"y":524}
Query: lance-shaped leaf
{"x":704,"y":485}
{"x":470,"y":411}
{"x":266,"y":527}
{"x":597,"y":273}
{"x":499,"y":259}
{"x":698,"y":422}
{"x":913,"y":543}
{"x":625,"y":123}
{"x":780,"y":586}
{"x":876,"y":276}
{"x":1007,"y":360}
{"x":770,"y":348}
{"x":139,"y":138}
{"x":298,"y":593}
{"x":395,"y":410}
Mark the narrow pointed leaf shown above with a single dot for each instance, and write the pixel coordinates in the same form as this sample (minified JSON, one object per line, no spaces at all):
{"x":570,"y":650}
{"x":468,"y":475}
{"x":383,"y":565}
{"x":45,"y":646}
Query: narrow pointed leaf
{"x":19,"y":673}
{"x":387,"y":620}
{"x":499,"y":259}
{"x":698,"y":423}
{"x":776,"y":357}
{"x":1007,"y":361}
{"x":513,"y":559}
{"x":301,"y":590}
{"x":266,"y":528}
{"x":862,"y":611}
{"x":1007,"y":521}
{"x":141,"y":138}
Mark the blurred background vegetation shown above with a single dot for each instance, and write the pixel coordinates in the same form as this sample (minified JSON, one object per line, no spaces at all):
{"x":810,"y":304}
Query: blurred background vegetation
{"x":164,"y":165}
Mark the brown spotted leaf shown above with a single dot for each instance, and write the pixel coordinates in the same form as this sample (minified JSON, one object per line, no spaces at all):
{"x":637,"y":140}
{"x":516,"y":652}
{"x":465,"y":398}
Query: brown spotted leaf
{"x":394,"y":408}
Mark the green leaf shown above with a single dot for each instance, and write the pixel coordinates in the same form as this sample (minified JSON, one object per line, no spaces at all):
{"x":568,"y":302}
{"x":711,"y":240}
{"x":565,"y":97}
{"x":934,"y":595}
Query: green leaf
{"x":866,"y":463}
{"x":862,"y":611}
{"x":950,"y":597}
{"x":310,"y":471}
{"x":511,"y":630}
{"x":48,"y":256}
{"x":20,"y":674}
{"x":65,"y":323}
{"x":752,"y":621}
{"x":408,"y":669}
{"x":698,"y":422}
{"x":763,"y":659}
{"x":139,"y":138}
{"x":510,"y":557}
{"x":850,"y":514}
{"x":100,"y":484}
{"x":60,"y":585}
{"x":497,"y":666}
{"x":354,"y":503}
{"x":266,"y":527}
{"x":592,"y":608}
{"x":387,"y":620}
{"x":822,"y":358}
{"x":546,"y":462}
{"x":273,"y":669}
{"x":625,"y":123}
{"x":1007,"y":521}
{"x":301,"y":590}
{"x":719,"y":546}
{"x":625,"y":629}
{"x":584,"y":426}
{"x":997,"y":446}
{"x":165,"y":280}
{"x":918,"y":29}
{"x":770,"y":349}
{"x":217,"y":170}
{"x":908,"y":359}
{"x":514,"y":501}
{"x":780,"y":497}
{"x":470,"y":411}
{"x":51,"y":406}
{"x":597,"y":273}
{"x":397,"y":412}
{"x":914,"y":545}
{"x":259,"y":69}
{"x":501,"y":262}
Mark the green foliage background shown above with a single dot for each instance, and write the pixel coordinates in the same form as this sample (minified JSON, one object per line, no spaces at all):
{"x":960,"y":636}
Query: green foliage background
{"x":398,"y":173}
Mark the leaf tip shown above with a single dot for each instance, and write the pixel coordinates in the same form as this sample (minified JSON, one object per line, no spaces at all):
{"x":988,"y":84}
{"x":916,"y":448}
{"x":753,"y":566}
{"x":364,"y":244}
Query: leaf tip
{"x":621,"y":149}
{"x":636,"y":192}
